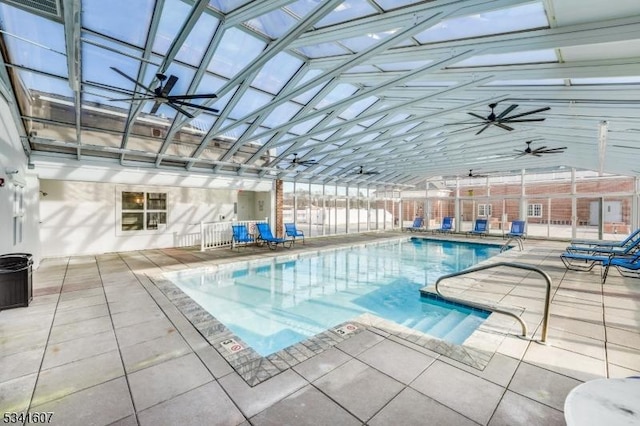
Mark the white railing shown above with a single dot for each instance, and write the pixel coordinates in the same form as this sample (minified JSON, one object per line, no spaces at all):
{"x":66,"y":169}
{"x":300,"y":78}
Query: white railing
{"x":218,"y":234}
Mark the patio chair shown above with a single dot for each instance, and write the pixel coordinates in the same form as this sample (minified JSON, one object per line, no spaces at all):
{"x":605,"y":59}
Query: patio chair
{"x":418,"y":223}
{"x":240,"y":236}
{"x":446,"y":226}
{"x":632,"y":246}
{"x":265,"y":235}
{"x":291,"y":231}
{"x":628,"y":266}
{"x":517,"y":229}
{"x":607,"y":243}
{"x":479,"y":228}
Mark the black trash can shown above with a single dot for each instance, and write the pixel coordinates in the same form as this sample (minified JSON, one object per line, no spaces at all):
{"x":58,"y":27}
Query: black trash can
{"x":16,"y":285}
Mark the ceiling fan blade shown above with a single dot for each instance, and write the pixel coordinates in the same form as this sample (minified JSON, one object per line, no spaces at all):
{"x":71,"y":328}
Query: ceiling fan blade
{"x":155,"y":107}
{"x":536,"y":155}
{"x":206,"y":96}
{"x":540,"y":148}
{"x":523,"y":120}
{"x":483,"y":129}
{"x":180,"y":110}
{"x":194,"y":105}
{"x":477,"y":116}
{"x":139,"y":98}
{"x":522,"y":154}
{"x":131,"y":79}
{"x":507,"y":111}
{"x":552,"y":151}
{"x":370,"y":173}
{"x":503,"y":126}
{"x":535,"y":111}
{"x":464,"y":122}
{"x":169,"y":85}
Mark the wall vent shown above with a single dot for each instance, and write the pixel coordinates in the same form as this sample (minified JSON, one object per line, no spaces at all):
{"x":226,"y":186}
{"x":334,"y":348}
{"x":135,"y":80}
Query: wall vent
{"x":48,"y":8}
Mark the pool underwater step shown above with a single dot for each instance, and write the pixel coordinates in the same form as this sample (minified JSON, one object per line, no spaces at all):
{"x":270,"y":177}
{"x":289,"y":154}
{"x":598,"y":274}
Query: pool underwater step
{"x":463,"y":329}
{"x":446,"y":324}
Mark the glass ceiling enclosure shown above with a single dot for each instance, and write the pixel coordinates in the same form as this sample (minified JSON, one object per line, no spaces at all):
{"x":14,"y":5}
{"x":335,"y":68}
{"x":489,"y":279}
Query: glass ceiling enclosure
{"x":354,"y":85}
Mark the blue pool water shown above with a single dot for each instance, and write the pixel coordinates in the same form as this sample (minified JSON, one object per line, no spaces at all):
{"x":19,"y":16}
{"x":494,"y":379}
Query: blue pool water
{"x":277,"y":304}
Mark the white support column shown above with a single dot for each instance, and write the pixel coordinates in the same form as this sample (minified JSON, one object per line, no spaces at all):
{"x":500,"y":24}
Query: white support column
{"x":457,"y":206}
{"x":523,"y":197}
{"x":574,"y":204}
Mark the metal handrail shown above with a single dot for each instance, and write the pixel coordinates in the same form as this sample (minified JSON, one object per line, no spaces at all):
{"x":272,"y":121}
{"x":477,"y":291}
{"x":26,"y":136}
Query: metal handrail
{"x":545,"y":320}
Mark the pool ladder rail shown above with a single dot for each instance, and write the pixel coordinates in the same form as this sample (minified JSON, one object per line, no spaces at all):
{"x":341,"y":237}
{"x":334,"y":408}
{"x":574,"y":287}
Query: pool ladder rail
{"x":547,"y":301}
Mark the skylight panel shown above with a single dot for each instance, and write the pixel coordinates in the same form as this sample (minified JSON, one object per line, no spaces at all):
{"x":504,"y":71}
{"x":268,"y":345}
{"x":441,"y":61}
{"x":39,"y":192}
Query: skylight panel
{"x":518,"y":18}
{"x":403,"y":66}
{"x":357,"y":107}
{"x":529,"y":57}
{"x":193,"y":48}
{"x":357,"y":44}
{"x":305,"y":97}
{"x":397,"y":117}
{"x":227,"y":5}
{"x":540,"y":82}
{"x":322,"y":50}
{"x":98,"y":98}
{"x":174,"y":13}
{"x":43,"y":34}
{"x":281,"y":114}
{"x":250,"y":101}
{"x":96,"y":63}
{"x":273,"y":24}
{"x":309,"y":75}
{"x":305,"y":126}
{"x":276,"y":72}
{"x":346,"y":11}
{"x":338,"y":93}
{"x":46,"y":85}
{"x":354,"y":130}
{"x":124,"y":20}
{"x":362,"y":69}
{"x":606,"y":80}
{"x":236,"y":50}
{"x":394,"y":4}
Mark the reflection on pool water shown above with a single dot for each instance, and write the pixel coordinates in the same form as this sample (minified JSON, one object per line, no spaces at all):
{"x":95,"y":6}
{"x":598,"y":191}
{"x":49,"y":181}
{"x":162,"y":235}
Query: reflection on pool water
{"x":277,"y":304}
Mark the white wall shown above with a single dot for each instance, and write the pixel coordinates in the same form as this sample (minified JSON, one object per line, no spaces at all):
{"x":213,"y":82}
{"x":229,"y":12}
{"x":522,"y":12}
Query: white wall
{"x":12,"y":156}
{"x":82,"y":217}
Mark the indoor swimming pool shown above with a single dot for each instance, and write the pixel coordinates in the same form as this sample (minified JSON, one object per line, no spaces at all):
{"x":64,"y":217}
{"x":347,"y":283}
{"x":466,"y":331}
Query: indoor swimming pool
{"x":273,"y":304}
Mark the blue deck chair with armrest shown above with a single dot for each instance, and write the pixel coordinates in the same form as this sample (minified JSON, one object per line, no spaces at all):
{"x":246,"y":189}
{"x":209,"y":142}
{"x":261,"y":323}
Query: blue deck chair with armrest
{"x":629,"y":249}
{"x":607,"y":243}
{"x":585,"y":258}
{"x":264,"y":234}
{"x":417,"y":225}
{"x":291,"y":231}
{"x":628,"y":266}
{"x":446,"y":226}
{"x":481,"y":227}
{"x":240,"y":236}
{"x":517,"y":229}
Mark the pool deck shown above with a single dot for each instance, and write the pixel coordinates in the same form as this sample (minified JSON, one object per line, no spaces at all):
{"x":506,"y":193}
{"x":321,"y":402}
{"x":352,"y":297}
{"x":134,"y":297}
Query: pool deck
{"x":102,"y":344}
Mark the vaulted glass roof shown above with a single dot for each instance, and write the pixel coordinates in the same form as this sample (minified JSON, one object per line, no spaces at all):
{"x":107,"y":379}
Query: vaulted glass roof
{"x":406,"y":89}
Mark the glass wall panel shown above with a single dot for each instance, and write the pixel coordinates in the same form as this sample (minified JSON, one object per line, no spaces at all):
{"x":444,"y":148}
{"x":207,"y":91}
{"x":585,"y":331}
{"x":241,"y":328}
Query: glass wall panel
{"x":317,"y":208}
{"x":303,"y":207}
{"x":537,"y":216}
{"x":288,"y":202}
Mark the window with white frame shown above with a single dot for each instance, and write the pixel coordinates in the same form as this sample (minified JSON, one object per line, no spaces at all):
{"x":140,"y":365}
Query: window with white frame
{"x":534,"y":210}
{"x":484,"y":210}
{"x":18,"y":213}
{"x":143,"y":211}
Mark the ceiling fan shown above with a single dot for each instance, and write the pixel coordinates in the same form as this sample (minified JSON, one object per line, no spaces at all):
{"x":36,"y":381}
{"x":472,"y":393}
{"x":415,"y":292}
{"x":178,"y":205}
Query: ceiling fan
{"x":538,"y":152}
{"x":361,"y":171}
{"x":475,"y":175}
{"x":503,"y":119}
{"x":300,"y":162}
{"x":160,"y":95}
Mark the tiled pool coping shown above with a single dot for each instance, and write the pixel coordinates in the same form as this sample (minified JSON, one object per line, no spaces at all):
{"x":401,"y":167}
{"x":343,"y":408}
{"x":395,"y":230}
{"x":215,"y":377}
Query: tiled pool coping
{"x":254,"y":368}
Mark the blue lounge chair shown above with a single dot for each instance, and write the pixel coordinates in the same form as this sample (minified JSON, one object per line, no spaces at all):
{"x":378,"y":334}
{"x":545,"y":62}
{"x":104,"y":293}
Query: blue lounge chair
{"x":585,"y":258}
{"x":606,"y":243}
{"x":628,"y":266}
{"x":480,"y":228}
{"x":517,"y":229}
{"x":291,"y":231}
{"x":630,"y":248}
{"x":418,"y":223}
{"x":446,"y":226}
{"x":240,"y":236}
{"x":264,"y":234}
